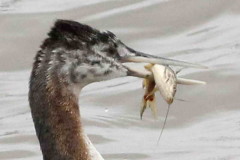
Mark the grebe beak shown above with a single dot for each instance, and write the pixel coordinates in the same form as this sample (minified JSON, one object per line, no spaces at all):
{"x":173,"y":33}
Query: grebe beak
{"x":140,"y":57}
{"x":162,"y":61}
{"x":185,"y":81}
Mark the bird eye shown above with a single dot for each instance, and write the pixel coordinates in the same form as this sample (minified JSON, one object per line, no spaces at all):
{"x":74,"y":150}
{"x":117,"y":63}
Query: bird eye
{"x":109,"y":50}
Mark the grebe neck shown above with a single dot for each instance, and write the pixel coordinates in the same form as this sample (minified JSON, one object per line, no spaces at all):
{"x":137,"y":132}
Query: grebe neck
{"x":55,"y":112}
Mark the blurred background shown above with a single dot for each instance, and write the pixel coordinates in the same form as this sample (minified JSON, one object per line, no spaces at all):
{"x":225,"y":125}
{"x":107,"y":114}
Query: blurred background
{"x":204,"y":127}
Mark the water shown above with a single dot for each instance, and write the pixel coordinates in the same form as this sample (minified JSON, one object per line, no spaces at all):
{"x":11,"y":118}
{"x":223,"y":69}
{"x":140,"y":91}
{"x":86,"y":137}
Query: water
{"x":205,"y":127}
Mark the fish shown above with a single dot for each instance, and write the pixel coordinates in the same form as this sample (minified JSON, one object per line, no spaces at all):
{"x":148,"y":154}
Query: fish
{"x":163,"y":79}
{"x":149,"y":96}
{"x":166,"y":81}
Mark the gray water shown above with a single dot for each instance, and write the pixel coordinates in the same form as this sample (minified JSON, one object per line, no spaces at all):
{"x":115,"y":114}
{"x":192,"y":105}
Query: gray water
{"x":205,"y":127}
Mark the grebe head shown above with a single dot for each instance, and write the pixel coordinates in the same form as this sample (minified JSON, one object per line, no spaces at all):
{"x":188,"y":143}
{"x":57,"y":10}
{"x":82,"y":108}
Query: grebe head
{"x":82,"y":54}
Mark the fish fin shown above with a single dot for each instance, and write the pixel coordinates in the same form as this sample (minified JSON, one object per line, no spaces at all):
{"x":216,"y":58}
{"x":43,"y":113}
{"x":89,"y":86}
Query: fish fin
{"x":143,"y":107}
{"x":153,"y":107}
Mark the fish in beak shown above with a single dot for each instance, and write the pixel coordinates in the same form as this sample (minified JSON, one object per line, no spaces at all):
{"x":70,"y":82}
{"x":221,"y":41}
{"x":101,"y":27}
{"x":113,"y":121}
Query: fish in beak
{"x":163,"y":79}
{"x":159,"y":77}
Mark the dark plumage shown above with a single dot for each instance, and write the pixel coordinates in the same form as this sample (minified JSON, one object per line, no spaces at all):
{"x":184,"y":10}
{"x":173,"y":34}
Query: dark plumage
{"x":74,"y":35}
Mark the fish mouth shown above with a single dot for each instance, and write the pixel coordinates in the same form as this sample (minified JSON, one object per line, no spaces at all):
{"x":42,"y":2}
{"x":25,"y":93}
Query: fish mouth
{"x":140,"y":57}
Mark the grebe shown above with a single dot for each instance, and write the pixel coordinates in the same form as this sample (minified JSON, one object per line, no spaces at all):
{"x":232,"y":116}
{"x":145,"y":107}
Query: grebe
{"x":73,"y":56}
